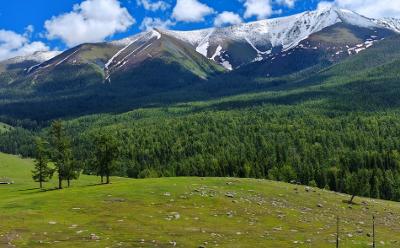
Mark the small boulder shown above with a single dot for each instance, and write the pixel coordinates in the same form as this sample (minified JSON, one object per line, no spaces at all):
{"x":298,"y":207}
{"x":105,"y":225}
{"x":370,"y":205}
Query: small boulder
{"x":94,"y":236}
{"x":229,"y":194}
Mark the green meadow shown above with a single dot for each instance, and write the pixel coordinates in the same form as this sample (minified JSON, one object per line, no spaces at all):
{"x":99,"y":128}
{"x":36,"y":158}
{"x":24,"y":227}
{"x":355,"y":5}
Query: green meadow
{"x":184,"y":212}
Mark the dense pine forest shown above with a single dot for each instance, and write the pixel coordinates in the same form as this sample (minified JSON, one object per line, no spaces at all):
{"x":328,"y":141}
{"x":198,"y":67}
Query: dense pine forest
{"x":293,"y":144}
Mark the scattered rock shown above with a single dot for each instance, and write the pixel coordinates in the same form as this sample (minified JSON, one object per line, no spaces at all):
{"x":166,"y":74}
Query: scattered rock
{"x":230,"y":195}
{"x":52,"y":222}
{"x":176,"y":215}
{"x":94,"y":236}
{"x":173,"y":216}
{"x":73,"y":226}
{"x":320,"y":205}
{"x":229,"y":214}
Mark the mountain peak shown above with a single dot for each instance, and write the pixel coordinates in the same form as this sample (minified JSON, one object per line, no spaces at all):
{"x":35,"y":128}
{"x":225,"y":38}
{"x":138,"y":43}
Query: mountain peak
{"x":38,"y":56}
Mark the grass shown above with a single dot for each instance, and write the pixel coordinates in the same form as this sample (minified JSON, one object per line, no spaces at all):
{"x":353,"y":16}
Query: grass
{"x":185,"y":212}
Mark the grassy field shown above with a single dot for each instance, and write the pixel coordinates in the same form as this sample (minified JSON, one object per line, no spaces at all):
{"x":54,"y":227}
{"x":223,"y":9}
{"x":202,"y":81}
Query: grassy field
{"x":184,"y":212}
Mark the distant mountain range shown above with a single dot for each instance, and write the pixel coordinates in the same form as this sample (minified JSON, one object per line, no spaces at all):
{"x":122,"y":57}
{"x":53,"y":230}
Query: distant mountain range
{"x":102,"y":76}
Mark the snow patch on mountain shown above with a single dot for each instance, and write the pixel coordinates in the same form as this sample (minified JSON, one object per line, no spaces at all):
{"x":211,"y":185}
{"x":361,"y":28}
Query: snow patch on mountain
{"x":283,"y":32}
{"x":127,"y":44}
{"x":390,"y":23}
{"x":36,"y":57}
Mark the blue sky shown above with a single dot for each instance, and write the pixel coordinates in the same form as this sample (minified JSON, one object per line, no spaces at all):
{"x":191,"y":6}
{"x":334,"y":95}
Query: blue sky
{"x":29,"y":25}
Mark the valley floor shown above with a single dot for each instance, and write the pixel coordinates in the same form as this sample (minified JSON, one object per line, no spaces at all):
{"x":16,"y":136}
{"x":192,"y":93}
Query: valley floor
{"x":184,"y":212}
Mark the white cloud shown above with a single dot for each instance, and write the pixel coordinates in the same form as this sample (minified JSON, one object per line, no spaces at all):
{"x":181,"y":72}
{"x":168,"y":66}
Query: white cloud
{"x":13,"y":44}
{"x":288,"y":3}
{"x":29,"y":30}
{"x":258,"y":8}
{"x":149,"y":23}
{"x":370,"y":8}
{"x":153,"y":6}
{"x":324,"y":5}
{"x":90,"y":21}
{"x":191,"y":11}
{"x":226,"y":17}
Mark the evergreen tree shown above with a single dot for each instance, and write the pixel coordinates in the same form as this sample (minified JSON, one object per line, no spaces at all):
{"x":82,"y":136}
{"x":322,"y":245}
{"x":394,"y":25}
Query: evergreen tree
{"x":61,"y":153}
{"x":105,"y":152}
{"x":72,"y":169}
{"x":357,"y":183}
{"x":42,"y":172}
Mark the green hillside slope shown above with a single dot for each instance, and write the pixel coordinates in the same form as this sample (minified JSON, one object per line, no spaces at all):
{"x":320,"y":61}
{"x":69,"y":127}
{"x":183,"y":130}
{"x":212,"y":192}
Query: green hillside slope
{"x":184,"y":212}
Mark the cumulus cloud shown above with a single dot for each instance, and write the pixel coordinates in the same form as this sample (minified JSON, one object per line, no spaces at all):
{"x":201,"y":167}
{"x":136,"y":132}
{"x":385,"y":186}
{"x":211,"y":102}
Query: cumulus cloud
{"x":258,"y":8}
{"x":191,"y":11}
{"x":153,"y":6}
{"x":227,"y":18}
{"x":288,"y":3}
{"x":13,"y":44}
{"x":90,"y":21}
{"x":369,"y":8}
{"x":149,"y":23}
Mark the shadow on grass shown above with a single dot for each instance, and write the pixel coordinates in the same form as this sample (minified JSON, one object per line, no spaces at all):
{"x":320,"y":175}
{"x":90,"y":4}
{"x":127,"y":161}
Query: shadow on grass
{"x":31,"y":189}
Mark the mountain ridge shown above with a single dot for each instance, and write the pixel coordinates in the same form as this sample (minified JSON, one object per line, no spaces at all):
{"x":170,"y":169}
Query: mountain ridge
{"x":155,"y":67}
{"x":321,"y":19}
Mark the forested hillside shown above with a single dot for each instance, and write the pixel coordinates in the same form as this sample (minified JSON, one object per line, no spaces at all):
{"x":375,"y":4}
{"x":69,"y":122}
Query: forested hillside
{"x":335,"y":126}
{"x":325,"y":130}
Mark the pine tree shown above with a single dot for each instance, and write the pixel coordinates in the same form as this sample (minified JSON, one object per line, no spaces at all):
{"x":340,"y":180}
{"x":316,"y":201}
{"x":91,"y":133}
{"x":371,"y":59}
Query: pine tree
{"x":61,"y":153}
{"x":105,"y":153}
{"x":42,"y":172}
{"x":72,"y":169}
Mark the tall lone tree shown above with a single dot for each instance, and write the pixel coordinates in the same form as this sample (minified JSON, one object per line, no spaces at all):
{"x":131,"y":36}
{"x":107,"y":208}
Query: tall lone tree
{"x":105,"y":152}
{"x":42,"y":172}
{"x":61,"y":153}
{"x":358,"y":184}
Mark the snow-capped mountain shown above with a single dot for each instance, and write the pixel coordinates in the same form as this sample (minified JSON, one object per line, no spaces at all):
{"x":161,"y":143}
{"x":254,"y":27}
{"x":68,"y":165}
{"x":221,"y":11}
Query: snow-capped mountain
{"x":273,"y":47}
{"x":40,"y":56}
{"x":263,"y":37}
{"x":20,"y":66}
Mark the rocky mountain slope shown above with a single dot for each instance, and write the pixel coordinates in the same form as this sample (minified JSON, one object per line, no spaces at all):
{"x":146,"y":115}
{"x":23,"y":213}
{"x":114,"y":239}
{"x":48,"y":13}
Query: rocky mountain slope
{"x":244,"y":43}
